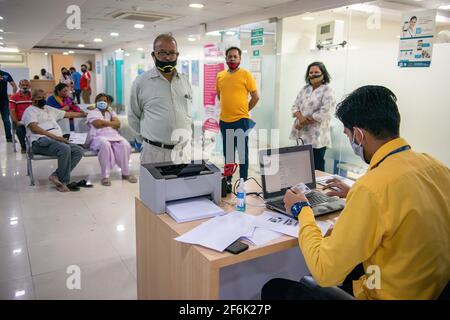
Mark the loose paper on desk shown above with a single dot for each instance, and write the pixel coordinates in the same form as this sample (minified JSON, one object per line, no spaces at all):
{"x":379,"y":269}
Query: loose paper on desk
{"x":281,"y":223}
{"x":193,"y":209}
{"x":219,"y":232}
{"x":322,"y":180}
{"x":262,"y":236}
{"x":78,"y":138}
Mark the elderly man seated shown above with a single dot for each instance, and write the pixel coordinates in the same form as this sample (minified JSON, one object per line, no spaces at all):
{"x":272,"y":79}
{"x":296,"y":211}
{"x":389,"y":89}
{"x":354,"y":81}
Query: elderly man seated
{"x":46,"y":138}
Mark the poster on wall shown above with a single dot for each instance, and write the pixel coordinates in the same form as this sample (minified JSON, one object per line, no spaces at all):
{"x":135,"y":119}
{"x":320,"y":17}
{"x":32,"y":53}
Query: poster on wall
{"x":212,"y":50}
{"x":185,"y":67}
{"x":416,"y":39}
{"x":195,"y":73}
{"x":210,"y":101}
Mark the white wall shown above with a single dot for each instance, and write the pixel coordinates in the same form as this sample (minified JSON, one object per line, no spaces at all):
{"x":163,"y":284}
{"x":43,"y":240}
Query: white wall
{"x":370,"y":58}
{"x":36,"y":61}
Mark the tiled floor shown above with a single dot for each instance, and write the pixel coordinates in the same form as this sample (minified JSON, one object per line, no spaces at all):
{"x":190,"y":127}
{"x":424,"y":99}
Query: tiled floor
{"x":43,"y":232}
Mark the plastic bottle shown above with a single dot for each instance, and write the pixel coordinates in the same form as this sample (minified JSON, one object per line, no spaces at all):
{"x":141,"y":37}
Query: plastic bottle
{"x":241,"y":196}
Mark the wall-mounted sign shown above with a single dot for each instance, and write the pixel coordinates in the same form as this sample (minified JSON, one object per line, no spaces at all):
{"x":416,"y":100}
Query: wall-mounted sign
{"x":416,"y":39}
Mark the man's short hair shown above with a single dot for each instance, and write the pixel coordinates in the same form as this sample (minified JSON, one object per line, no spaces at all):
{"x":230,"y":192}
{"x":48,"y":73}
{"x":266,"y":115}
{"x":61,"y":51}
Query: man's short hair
{"x":164,"y":36}
{"x":24,"y":80}
{"x":37,"y":92}
{"x":72,"y":68}
{"x":233,"y":48}
{"x":83,"y":65}
{"x":372,"y":108}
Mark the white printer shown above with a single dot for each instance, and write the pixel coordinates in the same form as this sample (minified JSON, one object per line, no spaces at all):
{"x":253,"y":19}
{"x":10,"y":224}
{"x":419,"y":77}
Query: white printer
{"x":162,"y":182}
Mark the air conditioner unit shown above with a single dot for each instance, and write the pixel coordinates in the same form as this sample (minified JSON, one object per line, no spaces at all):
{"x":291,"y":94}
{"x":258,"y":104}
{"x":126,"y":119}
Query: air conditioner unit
{"x":144,"y":16}
{"x":330,"y":34}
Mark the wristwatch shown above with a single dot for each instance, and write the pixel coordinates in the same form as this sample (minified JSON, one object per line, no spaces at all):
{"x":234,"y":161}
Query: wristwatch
{"x":297,"y":208}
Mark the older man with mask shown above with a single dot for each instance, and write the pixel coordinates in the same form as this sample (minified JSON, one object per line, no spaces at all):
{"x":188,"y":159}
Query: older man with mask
{"x":160,"y":110}
{"x":18,"y":103}
{"x":46,"y":138}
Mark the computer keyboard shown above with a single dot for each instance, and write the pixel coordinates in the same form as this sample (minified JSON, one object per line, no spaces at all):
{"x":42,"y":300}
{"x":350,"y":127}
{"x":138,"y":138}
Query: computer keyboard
{"x":315,"y":198}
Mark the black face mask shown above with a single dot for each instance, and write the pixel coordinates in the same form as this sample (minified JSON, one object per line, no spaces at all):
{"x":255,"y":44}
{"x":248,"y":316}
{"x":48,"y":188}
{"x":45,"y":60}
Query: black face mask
{"x":165,"y":66}
{"x":41,"y":103}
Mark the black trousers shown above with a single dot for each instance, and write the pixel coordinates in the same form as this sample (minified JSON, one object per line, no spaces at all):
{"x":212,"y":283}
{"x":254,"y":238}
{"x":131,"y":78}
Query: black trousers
{"x":4,"y":111}
{"x":21,"y":132}
{"x":284,"y":289}
{"x":319,"y":160}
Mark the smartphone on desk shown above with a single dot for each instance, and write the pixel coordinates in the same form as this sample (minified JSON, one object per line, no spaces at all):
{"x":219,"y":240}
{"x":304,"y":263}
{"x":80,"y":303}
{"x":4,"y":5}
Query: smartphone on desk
{"x":236,"y":247}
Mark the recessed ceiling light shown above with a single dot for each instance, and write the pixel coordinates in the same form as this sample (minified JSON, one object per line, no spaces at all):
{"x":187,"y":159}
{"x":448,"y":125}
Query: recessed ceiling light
{"x":1,"y":38}
{"x":1,"y":30}
{"x":191,"y":39}
{"x":12,"y":50}
{"x":71,"y":51}
{"x":230,"y":33}
{"x":196,"y":5}
{"x":65,"y":53}
{"x":244,"y":51}
{"x":308,"y":18}
{"x":114,"y":34}
{"x":447,"y":7}
{"x":140,"y":49}
{"x":46,"y":53}
{"x":1,"y":18}
{"x":98,"y":40}
{"x":80,"y":45}
{"x":213,"y":33}
{"x":1,"y":43}
{"x":126,"y":54}
{"x":139,"y":26}
{"x":120,"y":227}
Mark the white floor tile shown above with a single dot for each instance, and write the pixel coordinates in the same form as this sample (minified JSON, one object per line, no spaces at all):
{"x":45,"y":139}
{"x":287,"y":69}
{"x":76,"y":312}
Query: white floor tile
{"x":51,"y":255}
{"x":19,"y":289}
{"x":104,"y":280}
{"x":14,"y":262}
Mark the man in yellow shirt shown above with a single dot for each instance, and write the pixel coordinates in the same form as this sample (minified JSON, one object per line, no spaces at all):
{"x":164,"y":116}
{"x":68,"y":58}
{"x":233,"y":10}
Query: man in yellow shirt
{"x":397,"y":217}
{"x":233,"y":88}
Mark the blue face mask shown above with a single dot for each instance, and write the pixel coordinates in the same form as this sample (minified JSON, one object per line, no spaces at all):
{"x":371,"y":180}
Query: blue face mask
{"x":358,"y":148}
{"x":102,"y":105}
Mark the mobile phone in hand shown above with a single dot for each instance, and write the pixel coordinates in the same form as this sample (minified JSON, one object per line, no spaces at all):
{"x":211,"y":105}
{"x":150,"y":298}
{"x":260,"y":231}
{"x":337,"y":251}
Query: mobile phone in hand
{"x":236,"y":247}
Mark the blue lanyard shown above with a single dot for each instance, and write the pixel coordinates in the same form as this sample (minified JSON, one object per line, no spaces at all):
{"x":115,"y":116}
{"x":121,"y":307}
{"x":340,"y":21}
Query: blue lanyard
{"x":404,"y":148}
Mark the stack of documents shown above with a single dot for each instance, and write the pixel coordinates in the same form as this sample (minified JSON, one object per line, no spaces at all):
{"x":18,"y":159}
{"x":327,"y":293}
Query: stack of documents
{"x":193,"y":209}
{"x":219,"y":232}
{"x":78,"y":138}
{"x":322,"y":180}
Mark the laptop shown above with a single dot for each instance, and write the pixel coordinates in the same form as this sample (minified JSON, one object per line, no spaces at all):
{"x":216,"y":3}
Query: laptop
{"x":286,"y":167}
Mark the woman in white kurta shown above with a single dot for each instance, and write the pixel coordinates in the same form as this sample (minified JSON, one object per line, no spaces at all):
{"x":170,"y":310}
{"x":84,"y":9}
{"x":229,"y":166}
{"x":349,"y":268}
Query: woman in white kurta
{"x":312,"y":112}
{"x":111,"y":146}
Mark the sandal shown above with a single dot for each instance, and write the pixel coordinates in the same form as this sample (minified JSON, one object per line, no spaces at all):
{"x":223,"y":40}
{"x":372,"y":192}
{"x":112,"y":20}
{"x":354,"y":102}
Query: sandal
{"x":130,"y":178}
{"x":83,"y":183}
{"x":106,"y":182}
{"x":73,"y":186}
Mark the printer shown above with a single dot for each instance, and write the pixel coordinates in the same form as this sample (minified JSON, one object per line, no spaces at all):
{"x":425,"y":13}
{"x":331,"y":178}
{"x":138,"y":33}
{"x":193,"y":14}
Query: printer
{"x":162,"y":182}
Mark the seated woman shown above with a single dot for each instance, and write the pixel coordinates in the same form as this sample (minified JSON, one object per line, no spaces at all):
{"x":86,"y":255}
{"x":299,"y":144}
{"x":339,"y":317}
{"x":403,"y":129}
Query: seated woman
{"x":111,"y":146}
{"x":61,"y":100}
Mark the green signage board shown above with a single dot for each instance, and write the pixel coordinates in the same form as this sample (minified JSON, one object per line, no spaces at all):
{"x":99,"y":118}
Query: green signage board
{"x":257,"y":32}
{"x":259,"y":41}
{"x":256,"y":53}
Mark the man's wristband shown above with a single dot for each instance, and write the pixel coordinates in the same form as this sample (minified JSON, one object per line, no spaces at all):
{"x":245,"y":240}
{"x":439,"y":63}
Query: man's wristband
{"x":297,"y":208}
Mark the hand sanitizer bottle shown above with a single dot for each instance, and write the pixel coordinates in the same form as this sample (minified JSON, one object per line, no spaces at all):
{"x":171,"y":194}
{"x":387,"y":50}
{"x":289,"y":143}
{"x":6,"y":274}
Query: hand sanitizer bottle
{"x":241,"y":196}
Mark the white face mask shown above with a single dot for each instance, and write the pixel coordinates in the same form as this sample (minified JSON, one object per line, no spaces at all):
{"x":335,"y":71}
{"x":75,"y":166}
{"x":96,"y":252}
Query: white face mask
{"x":102,"y":105}
{"x":358,"y":148}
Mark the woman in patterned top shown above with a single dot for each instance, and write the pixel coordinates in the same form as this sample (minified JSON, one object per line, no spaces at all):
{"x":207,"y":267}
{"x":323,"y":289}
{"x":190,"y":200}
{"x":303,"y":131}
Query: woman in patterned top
{"x":312,"y":111}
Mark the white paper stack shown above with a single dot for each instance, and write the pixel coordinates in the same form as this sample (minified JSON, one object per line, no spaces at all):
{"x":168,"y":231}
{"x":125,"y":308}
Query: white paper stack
{"x":219,"y":232}
{"x":193,"y":209}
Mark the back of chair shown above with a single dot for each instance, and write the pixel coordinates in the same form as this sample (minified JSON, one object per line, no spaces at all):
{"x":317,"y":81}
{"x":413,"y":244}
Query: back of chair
{"x":445,"y":294}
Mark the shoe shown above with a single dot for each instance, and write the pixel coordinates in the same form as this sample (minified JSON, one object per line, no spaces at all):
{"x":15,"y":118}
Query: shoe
{"x":9,"y":140}
{"x":83,"y":183}
{"x":23,"y":151}
{"x":106,"y":182}
{"x":130,"y":178}
{"x":73,"y":186}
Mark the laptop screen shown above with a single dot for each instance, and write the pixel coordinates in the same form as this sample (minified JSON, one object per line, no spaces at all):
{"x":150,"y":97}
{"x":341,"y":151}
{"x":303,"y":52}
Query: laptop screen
{"x":285,"y":167}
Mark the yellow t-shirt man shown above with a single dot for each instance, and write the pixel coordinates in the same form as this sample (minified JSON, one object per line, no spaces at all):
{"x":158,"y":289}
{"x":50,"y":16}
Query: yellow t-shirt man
{"x":234,"y":89}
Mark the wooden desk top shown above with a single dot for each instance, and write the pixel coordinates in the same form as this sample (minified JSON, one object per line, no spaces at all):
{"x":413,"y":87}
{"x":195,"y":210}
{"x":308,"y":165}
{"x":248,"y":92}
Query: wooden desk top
{"x":255,"y":206}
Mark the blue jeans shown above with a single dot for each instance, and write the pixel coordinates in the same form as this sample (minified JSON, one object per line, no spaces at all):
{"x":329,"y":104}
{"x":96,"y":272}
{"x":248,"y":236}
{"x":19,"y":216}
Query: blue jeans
{"x":4,"y":110}
{"x":240,"y":141}
{"x":68,"y":155}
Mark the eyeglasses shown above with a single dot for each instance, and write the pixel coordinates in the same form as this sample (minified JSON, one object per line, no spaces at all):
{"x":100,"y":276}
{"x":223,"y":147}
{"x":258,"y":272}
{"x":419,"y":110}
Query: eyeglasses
{"x":171,"y":54}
